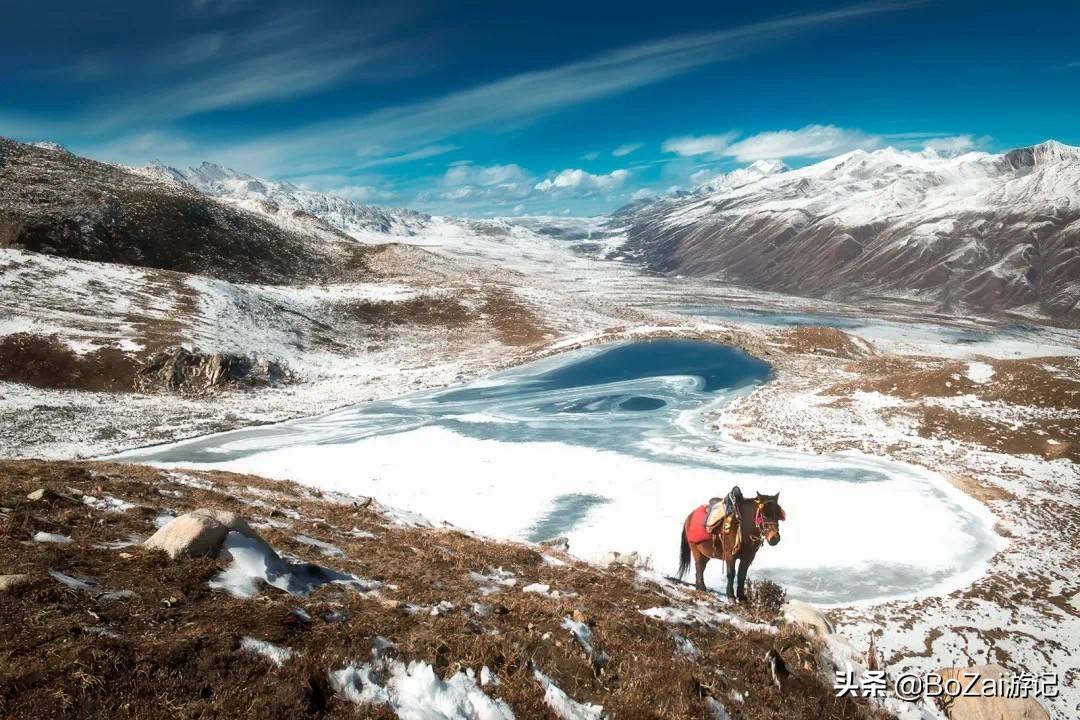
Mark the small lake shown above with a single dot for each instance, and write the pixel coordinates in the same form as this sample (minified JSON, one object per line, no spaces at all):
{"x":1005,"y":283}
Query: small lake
{"x":605,"y":447}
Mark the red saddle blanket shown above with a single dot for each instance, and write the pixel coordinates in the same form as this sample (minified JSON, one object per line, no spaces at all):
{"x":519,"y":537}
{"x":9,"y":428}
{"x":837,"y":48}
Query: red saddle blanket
{"x":697,"y":533}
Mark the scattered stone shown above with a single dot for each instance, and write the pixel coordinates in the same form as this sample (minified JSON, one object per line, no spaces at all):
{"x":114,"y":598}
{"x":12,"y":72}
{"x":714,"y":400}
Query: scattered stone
{"x":985,"y":706}
{"x":49,"y":496}
{"x":805,"y":614}
{"x":9,"y":582}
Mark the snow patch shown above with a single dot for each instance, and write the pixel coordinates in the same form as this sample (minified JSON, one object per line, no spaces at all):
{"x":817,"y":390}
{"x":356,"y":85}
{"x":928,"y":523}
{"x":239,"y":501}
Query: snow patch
{"x":274,"y":653}
{"x":980,"y":372}
{"x":564,"y":707}
{"x":254,"y":563}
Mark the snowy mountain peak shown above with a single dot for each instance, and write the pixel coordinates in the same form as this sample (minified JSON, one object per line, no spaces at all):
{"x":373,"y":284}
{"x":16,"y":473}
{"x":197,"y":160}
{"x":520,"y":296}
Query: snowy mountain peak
{"x":974,"y":230}
{"x":269,"y":197}
{"x":1050,"y":152}
{"x":157,"y":169}
{"x":50,"y":145}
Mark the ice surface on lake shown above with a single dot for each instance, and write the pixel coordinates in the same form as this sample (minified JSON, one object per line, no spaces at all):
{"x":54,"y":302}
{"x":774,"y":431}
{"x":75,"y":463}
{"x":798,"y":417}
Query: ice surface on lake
{"x":603,"y":446}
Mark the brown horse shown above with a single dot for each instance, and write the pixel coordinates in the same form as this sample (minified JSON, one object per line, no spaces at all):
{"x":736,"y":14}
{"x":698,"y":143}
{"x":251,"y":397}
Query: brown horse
{"x":760,"y":518}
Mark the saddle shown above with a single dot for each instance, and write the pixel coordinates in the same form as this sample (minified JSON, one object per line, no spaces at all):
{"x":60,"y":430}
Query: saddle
{"x":723,"y":522}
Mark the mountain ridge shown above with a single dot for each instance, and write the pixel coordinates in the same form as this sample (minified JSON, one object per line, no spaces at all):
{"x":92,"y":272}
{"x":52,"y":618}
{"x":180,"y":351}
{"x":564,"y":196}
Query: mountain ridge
{"x":979,"y":231}
{"x":268,"y":197}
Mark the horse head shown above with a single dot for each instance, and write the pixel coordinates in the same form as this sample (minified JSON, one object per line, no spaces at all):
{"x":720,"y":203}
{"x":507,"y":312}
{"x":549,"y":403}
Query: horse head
{"x":768,"y":516}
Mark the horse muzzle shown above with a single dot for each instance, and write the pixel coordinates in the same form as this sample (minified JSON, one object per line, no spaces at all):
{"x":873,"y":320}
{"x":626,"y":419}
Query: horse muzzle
{"x":773,"y":538}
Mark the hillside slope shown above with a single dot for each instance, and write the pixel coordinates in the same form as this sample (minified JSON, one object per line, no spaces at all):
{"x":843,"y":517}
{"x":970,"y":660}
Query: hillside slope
{"x":54,"y":202}
{"x":285,"y":203}
{"x":366,"y":612}
{"x":979,"y":231}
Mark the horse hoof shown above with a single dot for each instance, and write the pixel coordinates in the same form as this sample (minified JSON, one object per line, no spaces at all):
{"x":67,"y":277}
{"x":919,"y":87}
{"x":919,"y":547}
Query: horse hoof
{"x":741,"y":599}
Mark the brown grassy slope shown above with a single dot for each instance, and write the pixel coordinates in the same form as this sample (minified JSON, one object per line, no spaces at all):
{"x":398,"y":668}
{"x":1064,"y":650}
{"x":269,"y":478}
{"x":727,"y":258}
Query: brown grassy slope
{"x":172,"y":648}
{"x":1028,"y":406}
{"x":61,"y":204}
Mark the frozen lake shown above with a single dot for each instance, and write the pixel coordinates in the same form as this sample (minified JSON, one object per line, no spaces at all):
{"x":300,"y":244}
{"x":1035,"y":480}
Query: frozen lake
{"x":605,"y":447}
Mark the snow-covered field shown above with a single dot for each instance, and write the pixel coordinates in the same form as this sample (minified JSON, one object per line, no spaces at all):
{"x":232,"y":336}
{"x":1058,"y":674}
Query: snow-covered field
{"x":596,"y":461}
{"x":978,"y":536}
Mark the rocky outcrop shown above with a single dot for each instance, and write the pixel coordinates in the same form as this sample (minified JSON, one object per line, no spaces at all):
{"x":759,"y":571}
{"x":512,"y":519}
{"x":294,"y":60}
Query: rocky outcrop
{"x":189,"y":371}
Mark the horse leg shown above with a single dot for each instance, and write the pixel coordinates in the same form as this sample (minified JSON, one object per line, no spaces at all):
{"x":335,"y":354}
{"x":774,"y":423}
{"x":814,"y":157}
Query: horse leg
{"x":700,"y":560}
{"x":744,"y":565}
{"x":731,"y":577}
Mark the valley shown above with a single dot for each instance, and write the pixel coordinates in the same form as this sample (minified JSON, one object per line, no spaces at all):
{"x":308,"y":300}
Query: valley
{"x":927,"y":454}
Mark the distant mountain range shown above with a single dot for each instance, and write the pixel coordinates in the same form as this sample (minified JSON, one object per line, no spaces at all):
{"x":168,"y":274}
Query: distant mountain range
{"x":977,"y":231}
{"x":269,"y":197}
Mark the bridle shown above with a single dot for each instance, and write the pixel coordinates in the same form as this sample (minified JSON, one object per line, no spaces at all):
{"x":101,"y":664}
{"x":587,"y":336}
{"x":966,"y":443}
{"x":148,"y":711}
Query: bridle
{"x":764,"y":526}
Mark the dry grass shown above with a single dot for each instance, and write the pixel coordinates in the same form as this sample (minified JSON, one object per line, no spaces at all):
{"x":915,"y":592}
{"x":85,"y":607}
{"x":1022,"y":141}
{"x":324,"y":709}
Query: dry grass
{"x":1046,"y":388}
{"x":171,"y":649}
{"x":45,"y":362}
{"x":822,"y":341}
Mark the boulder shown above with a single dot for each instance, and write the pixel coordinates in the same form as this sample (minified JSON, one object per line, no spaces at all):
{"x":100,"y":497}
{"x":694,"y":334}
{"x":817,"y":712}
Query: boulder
{"x":805,"y":614}
{"x":630,"y":559}
{"x":199,"y":533}
{"x":985,"y":707}
{"x":7,"y":582}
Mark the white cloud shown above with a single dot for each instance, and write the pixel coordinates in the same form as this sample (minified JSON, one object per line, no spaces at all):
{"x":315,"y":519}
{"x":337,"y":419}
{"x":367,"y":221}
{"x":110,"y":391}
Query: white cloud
{"x":643,"y":194}
{"x":812,"y":141}
{"x":576,"y":179}
{"x":493,"y":184}
{"x":591,"y":155}
{"x":626,"y":149}
{"x":363,"y":193}
{"x":468,"y":174}
{"x":690,"y":145}
{"x":701,"y":176}
{"x":955,"y":144}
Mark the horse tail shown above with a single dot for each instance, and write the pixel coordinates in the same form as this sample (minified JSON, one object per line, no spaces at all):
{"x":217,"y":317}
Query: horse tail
{"x":684,"y":555}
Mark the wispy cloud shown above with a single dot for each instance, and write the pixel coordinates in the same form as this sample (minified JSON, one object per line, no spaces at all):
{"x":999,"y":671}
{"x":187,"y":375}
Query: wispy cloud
{"x":423,"y":153}
{"x":952,"y":144}
{"x":812,"y":141}
{"x":528,"y":96}
{"x":690,"y":145}
{"x":286,"y":54}
{"x":626,"y":149}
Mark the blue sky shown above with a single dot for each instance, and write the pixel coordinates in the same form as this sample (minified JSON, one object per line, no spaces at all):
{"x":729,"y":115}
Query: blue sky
{"x":499,"y":108}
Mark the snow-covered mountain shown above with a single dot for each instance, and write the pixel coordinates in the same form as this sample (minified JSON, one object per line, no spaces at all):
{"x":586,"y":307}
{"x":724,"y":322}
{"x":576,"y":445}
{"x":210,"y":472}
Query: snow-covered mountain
{"x":269,"y":198}
{"x":983,"y":231}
